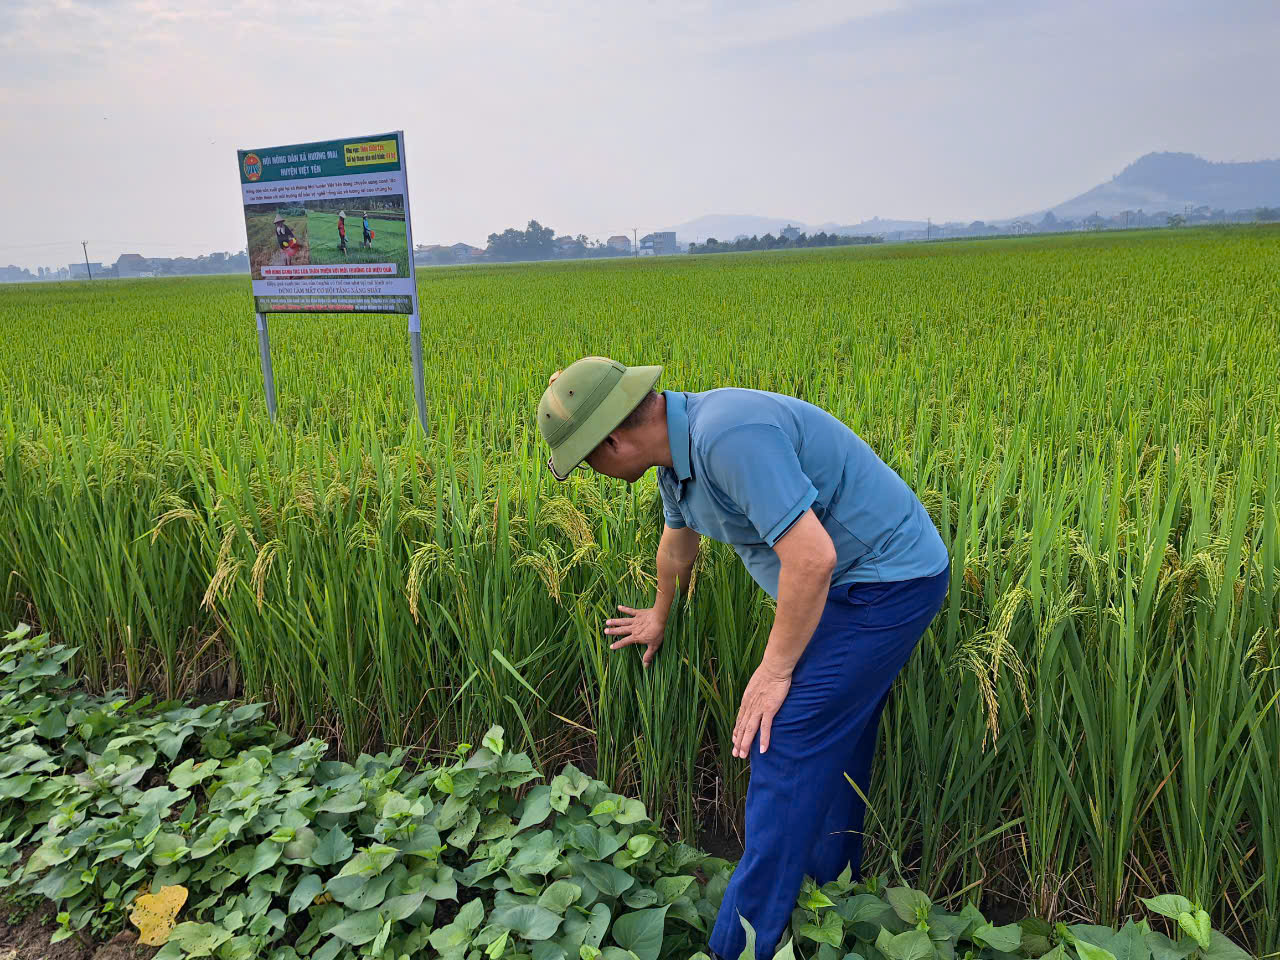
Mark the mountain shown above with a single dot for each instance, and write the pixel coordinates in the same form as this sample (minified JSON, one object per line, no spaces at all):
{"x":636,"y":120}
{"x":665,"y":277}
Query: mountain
{"x":875,"y":227}
{"x":1173,"y":181}
{"x":724,"y":226}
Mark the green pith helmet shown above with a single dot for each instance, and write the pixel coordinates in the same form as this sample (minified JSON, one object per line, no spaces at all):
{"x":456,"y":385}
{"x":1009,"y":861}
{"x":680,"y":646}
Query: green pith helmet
{"x":584,"y":403}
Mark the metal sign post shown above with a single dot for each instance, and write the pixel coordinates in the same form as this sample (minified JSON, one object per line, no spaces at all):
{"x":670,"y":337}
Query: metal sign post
{"x":415,"y":322}
{"x":419,"y":390}
{"x":268,"y":377}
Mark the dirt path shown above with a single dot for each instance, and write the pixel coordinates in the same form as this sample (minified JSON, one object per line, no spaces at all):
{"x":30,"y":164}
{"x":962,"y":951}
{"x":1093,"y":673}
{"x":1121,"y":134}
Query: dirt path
{"x":29,"y":940}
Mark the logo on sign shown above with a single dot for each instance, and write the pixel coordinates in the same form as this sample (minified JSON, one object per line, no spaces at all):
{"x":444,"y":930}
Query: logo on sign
{"x":252,"y":166}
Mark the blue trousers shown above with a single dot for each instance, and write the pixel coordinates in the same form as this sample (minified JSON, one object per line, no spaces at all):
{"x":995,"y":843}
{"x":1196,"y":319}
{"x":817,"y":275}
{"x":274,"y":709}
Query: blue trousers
{"x":802,"y":816}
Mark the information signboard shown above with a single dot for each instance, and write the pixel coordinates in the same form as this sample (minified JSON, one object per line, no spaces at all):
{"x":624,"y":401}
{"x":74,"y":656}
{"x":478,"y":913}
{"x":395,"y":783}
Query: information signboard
{"x":329,"y":231}
{"x":328,"y":226}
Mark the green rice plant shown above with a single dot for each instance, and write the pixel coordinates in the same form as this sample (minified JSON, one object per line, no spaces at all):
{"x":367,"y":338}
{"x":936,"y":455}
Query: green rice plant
{"x":1090,"y":421}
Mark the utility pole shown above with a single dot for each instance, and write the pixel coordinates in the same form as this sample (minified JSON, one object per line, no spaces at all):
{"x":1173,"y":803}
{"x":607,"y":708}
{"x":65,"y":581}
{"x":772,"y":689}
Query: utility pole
{"x":87,"y":268}
{"x":635,"y":244}
{"x":928,"y":234}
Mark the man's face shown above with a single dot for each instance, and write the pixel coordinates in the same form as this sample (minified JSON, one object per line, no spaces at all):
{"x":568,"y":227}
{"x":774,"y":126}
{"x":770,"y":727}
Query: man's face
{"x":619,"y":458}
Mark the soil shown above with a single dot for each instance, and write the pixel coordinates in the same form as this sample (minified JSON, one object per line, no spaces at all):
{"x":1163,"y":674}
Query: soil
{"x":29,"y":940}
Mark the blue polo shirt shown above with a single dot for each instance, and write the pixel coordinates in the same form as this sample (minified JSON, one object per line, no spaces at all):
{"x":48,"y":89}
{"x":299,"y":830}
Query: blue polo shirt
{"x":747,"y":464}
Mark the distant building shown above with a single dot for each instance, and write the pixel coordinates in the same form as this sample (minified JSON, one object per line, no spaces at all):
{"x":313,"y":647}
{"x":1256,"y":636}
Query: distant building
{"x":79,"y":272}
{"x":619,"y":242}
{"x":789,"y":232}
{"x":658,"y":244}
{"x":131,"y":265}
{"x":465,"y":252}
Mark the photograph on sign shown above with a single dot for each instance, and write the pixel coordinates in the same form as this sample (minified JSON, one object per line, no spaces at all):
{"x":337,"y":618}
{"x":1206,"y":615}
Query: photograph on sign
{"x":365,"y":234}
{"x":328,"y":226}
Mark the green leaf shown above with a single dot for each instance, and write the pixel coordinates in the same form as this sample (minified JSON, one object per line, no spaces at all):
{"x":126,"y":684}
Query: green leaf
{"x":535,"y":808}
{"x":359,"y":927}
{"x":492,"y":740}
{"x":641,"y":932}
{"x":370,"y":861}
{"x":265,"y":856}
{"x":911,"y":906}
{"x":1129,"y":943}
{"x":1090,"y":951}
{"x":440,"y":884}
{"x":465,"y":831}
{"x":214,"y":837}
{"x":1169,"y":905}
{"x":631,"y":811}
{"x":811,"y":898}
{"x":198,"y":939}
{"x":912,"y":945}
{"x":333,"y":848}
{"x":403,"y":906}
{"x":539,"y":855}
{"x":1035,"y":935}
{"x":1197,"y":926}
{"x":670,"y":889}
{"x":831,"y":930}
{"x":470,"y":915}
{"x":1223,"y":948}
{"x":639,"y":846}
{"x":302,"y":845}
{"x":1162,"y":948}
{"x":348,"y":801}
{"x":305,"y":893}
{"x":187,"y":774}
{"x":530,"y":921}
{"x":638,"y":897}
{"x":749,"y":950}
{"x":238,"y":948}
{"x":1006,"y":938}
{"x":358,"y":891}
{"x":608,"y":879}
{"x":560,"y":896}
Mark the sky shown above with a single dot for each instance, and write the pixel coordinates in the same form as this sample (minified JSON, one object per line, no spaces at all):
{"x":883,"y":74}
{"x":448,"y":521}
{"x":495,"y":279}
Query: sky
{"x":120,"y":118}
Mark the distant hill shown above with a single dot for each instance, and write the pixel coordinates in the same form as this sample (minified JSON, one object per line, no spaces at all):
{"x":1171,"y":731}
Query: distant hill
{"x":875,"y":226}
{"x":1157,"y":182}
{"x":1172,"y":181}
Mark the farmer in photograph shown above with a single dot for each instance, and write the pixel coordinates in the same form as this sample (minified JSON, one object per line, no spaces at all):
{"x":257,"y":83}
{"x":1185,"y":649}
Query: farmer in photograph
{"x":833,"y":534}
{"x":368,"y":234}
{"x":342,"y":231}
{"x":285,"y":239}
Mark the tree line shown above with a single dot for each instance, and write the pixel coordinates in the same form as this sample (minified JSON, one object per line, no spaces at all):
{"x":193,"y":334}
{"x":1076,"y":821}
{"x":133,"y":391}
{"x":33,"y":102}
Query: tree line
{"x":770,"y":242}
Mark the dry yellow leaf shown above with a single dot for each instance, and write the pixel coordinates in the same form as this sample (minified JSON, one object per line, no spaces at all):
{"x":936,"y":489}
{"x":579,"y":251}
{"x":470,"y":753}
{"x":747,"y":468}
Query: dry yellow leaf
{"x":154,"y":914}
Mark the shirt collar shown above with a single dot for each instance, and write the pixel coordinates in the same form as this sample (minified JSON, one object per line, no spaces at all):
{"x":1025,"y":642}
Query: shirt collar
{"x":678,"y":434}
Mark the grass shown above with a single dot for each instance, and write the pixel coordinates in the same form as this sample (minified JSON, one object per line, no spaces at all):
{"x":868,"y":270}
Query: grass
{"x":1089,"y":419}
{"x":389,"y":243}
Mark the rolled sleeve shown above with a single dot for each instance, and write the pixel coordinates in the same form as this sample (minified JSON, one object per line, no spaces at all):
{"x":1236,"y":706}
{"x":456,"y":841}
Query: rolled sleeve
{"x":756,"y":467}
{"x":671,"y":514}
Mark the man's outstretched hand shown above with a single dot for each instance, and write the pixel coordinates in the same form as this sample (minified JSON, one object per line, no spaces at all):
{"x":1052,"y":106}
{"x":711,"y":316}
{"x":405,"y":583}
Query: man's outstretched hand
{"x":639,"y":626}
{"x":761,"y":702}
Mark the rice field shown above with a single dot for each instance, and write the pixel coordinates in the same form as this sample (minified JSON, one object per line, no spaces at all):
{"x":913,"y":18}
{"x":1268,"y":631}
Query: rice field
{"x":1090,"y":420}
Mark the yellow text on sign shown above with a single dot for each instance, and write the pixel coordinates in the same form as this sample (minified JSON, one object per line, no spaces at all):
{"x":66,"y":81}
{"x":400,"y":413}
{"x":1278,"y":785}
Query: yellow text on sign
{"x":371,"y":151}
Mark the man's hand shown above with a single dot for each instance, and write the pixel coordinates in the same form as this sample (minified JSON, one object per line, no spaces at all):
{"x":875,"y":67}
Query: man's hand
{"x":641,"y":626}
{"x":761,"y":701}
